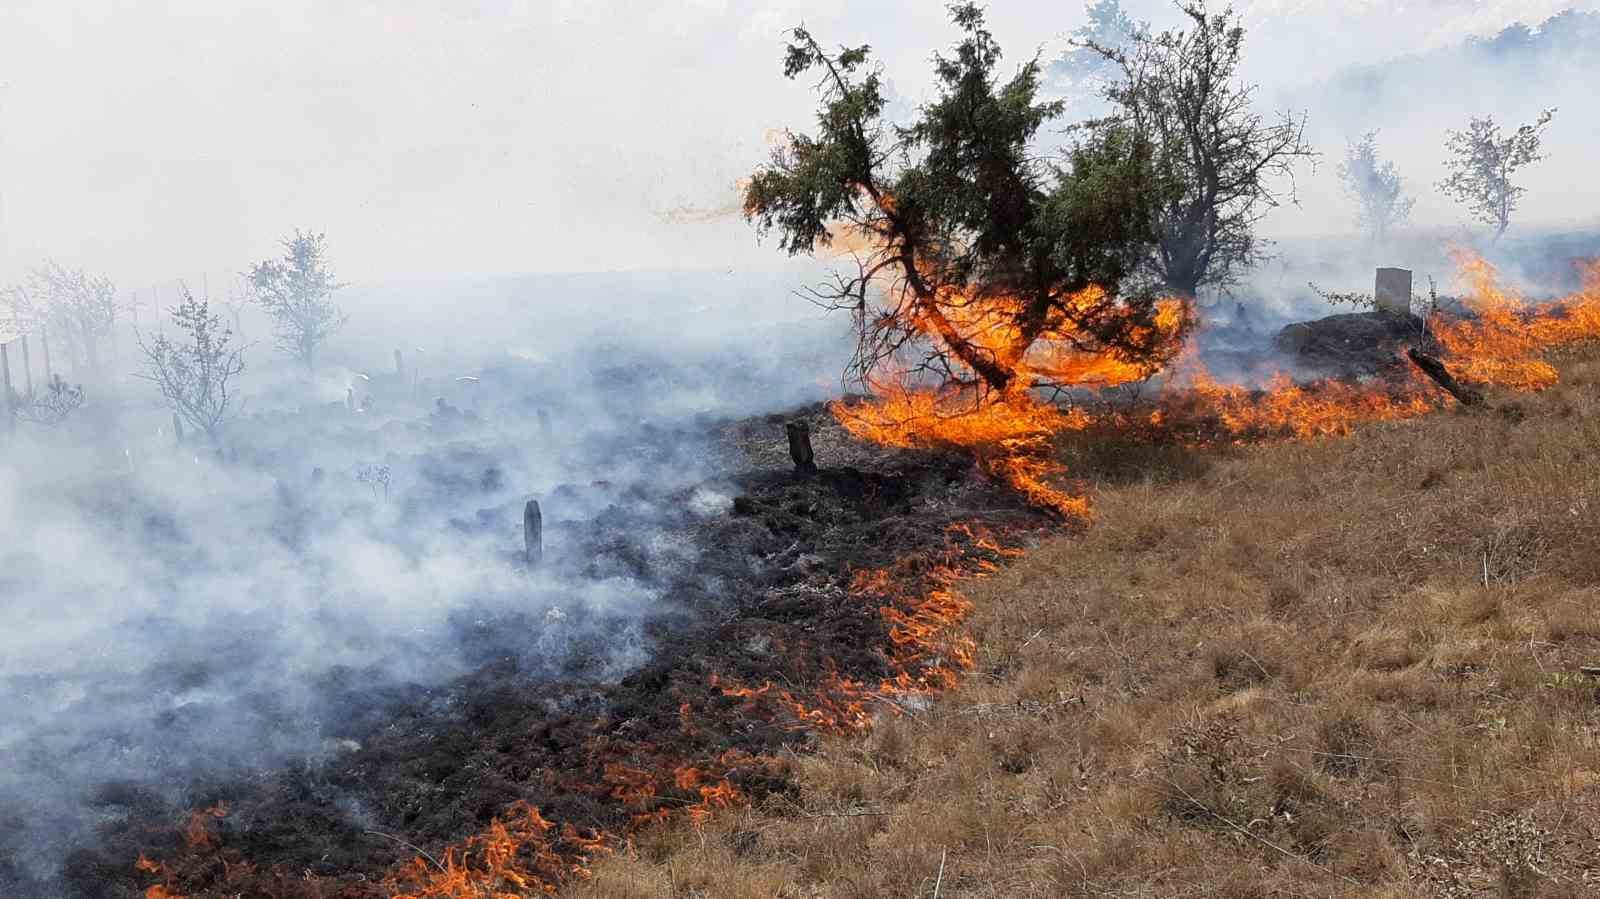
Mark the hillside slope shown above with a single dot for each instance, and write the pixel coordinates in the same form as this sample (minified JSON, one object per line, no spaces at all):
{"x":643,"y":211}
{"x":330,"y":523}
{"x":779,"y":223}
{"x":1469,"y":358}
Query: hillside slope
{"x":1344,"y":668}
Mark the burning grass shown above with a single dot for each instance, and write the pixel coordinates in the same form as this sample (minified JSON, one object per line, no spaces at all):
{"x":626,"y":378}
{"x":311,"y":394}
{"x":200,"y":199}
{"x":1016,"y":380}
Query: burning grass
{"x":1212,"y":771}
{"x":705,"y":730}
{"x":1501,"y":344}
{"x":1345,"y":668}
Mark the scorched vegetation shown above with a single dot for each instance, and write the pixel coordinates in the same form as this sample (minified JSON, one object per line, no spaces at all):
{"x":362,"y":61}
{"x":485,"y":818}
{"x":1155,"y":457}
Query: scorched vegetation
{"x":1349,"y":668}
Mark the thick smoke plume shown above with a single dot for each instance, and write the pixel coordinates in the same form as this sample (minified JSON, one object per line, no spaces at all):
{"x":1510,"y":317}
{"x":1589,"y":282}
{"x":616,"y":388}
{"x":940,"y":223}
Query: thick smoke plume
{"x":182,"y":611}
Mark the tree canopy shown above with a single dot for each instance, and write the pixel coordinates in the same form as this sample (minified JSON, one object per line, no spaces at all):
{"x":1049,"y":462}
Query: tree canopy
{"x":977,"y":262}
{"x":1224,"y":162}
{"x":1376,"y":187}
{"x":195,"y":372}
{"x":1482,"y":163}
{"x":297,"y":292}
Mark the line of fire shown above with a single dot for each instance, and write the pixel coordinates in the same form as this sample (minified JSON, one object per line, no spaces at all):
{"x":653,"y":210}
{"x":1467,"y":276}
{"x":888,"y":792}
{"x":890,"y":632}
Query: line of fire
{"x":473,"y":626}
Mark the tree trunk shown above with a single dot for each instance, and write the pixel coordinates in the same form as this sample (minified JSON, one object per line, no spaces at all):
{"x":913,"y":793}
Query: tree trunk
{"x":27,"y":369}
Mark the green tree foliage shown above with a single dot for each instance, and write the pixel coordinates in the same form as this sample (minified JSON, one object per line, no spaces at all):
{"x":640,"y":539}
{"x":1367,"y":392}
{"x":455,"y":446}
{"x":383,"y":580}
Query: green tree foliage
{"x":1180,"y":91}
{"x":975,"y":250}
{"x":1376,"y":187}
{"x":1482,"y":163}
{"x":195,"y":372}
{"x":297,"y":292}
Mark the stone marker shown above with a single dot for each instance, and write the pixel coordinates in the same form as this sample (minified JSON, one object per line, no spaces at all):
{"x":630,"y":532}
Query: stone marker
{"x":1392,"y":293}
{"x":800,"y":447}
{"x":532,"y":533}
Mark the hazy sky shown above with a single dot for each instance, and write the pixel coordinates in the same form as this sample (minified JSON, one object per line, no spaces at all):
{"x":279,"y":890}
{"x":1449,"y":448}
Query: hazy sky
{"x":160,"y":139}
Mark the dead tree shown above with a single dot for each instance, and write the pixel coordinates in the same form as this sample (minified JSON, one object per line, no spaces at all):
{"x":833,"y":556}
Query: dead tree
{"x":195,"y":373}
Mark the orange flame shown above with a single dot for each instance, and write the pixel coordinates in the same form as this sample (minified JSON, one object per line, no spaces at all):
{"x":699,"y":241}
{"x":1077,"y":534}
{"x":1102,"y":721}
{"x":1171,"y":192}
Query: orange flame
{"x":197,"y":832}
{"x":1500,"y":343}
{"x":510,"y":858}
{"x":926,"y":654}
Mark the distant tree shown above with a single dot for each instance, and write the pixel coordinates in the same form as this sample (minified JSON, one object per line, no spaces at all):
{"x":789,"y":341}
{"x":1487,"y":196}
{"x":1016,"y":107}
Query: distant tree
{"x":1481,"y":165}
{"x":997,"y":270}
{"x":1179,"y":91}
{"x":1106,"y":25}
{"x":297,"y":292}
{"x":77,"y":309}
{"x":194,"y":373}
{"x":374,"y":476}
{"x":1376,"y":186}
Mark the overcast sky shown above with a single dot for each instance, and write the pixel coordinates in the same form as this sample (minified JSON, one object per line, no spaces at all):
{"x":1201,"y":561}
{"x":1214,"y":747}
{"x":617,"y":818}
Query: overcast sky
{"x":159,"y":139}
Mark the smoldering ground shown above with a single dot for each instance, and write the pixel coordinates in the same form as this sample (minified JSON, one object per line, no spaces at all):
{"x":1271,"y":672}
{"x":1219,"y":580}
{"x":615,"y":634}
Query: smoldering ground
{"x":172,"y":615}
{"x":179,"y":612}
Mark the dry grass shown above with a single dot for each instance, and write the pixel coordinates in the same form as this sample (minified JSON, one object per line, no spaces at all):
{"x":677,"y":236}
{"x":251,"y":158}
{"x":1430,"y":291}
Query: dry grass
{"x":1343,"y":669}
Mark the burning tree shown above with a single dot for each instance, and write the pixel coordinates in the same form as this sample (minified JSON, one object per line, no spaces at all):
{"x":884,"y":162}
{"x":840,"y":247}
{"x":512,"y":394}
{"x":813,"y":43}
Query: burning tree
{"x":1180,"y":93}
{"x":194,"y":373}
{"x":296,"y":291}
{"x":1376,"y":187}
{"x":982,"y":272}
{"x":1482,"y":164}
{"x":76,"y":307}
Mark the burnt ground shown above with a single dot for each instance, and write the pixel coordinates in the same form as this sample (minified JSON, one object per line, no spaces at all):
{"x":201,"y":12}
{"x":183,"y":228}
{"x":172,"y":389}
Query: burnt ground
{"x":767,"y":601}
{"x":1353,"y":345}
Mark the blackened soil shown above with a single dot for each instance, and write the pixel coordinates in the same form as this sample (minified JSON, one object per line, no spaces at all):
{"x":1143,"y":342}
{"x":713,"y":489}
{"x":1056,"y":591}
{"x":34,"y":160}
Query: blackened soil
{"x":765,"y":600}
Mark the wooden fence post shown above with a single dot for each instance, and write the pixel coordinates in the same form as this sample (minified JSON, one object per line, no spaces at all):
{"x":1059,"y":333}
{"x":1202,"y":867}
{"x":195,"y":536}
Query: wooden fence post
{"x":805,"y":461}
{"x":5,"y":386}
{"x":27,"y":369}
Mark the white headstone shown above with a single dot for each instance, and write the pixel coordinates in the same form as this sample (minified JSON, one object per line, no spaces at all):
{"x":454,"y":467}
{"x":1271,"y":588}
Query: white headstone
{"x":1393,"y":291}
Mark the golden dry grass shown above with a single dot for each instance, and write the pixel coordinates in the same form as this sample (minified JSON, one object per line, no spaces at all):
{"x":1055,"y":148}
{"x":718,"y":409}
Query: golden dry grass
{"x":1348,"y":668}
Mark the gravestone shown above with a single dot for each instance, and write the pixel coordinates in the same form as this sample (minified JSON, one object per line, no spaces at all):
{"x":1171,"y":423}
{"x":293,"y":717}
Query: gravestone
{"x":532,"y":533}
{"x":1392,"y":293}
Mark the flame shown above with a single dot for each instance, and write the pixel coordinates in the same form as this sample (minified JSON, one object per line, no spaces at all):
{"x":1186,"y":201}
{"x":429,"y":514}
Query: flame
{"x":1011,"y":437}
{"x":197,"y":832}
{"x":926,"y":654}
{"x":1500,"y":343}
{"x":512,"y":857}
{"x":1011,"y":433}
